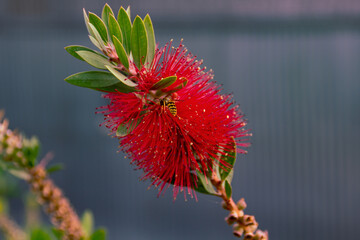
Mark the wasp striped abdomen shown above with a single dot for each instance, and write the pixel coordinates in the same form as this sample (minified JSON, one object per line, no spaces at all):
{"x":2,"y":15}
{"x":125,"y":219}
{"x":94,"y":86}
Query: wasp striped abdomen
{"x":170,"y":105}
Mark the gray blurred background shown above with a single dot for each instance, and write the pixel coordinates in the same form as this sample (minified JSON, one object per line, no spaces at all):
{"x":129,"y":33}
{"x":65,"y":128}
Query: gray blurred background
{"x":292,"y":65}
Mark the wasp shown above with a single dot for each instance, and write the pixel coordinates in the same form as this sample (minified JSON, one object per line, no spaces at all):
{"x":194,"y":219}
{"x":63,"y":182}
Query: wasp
{"x":170,"y":105}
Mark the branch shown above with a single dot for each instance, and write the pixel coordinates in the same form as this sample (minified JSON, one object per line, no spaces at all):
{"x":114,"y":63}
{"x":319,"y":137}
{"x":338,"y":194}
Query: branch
{"x":11,"y":230}
{"x":243,"y":225}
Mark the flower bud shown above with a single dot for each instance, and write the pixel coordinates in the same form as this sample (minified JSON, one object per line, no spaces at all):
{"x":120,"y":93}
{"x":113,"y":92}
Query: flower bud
{"x":232,"y":218}
{"x":249,"y":236}
{"x":247,"y":220}
{"x":241,"y":204}
{"x":251,"y":227}
{"x":261,"y":235}
{"x":238,"y":232}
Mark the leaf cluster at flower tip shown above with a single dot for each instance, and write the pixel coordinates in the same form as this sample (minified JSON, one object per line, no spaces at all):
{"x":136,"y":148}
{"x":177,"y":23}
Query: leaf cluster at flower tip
{"x":125,"y":47}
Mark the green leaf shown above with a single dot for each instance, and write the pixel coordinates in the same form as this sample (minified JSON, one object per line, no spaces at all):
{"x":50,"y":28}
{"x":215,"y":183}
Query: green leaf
{"x":163,"y":83}
{"x":94,"y":59}
{"x":229,"y":157}
{"x":4,"y":205}
{"x":121,"y":52}
{"x":114,"y":29}
{"x":228,"y":189}
{"x":86,"y":19}
{"x":151,"y":39}
{"x":100,"y":81}
{"x":179,"y":87}
{"x":121,"y":77}
{"x":230,"y":176}
{"x":119,"y":87}
{"x":99,"y":234}
{"x":87,"y":223}
{"x":99,"y":25}
{"x":203,"y":184}
{"x":31,"y":149}
{"x":55,"y":168}
{"x":96,"y":38}
{"x":126,"y":128}
{"x":125,"y":25}
{"x":95,"y":42}
{"x":128,"y":11}
{"x":59,"y":234}
{"x":92,"y":79}
{"x":74,"y":48}
{"x":39,"y":234}
{"x":106,"y":12}
{"x":139,"y":41}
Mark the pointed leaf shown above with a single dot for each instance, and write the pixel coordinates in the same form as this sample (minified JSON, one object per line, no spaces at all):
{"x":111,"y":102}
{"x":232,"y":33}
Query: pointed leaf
{"x":204,"y":185}
{"x":128,"y":11}
{"x":100,"y":81}
{"x":114,"y":29}
{"x":99,"y":25}
{"x":87,"y":223}
{"x":229,"y":157}
{"x":106,"y":12}
{"x":139,"y":41}
{"x":100,"y":43}
{"x":230,"y":176}
{"x":86,"y":19}
{"x":163,"y":83}
{"x":121,"y":77}
{"x":99,"y":234}
{"x":55,"y":168}
{"x":121,"y":52}
{"x":125,"y":25}
{"x":151,"y":39}
{"x":228,"y":189}
{"x":74,"y":48}
{"x":94,"y":59}
{"x":179,"y":87}
{"x":95,"y":42}
{"x":92,"y":79}
{"x":119,"y":87}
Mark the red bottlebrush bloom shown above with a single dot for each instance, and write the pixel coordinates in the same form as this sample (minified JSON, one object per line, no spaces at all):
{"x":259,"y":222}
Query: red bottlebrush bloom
{"x":181,"y":130}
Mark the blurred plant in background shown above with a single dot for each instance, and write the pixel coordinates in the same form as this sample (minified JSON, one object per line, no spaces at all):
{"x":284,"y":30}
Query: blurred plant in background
{"x":19,"y":157}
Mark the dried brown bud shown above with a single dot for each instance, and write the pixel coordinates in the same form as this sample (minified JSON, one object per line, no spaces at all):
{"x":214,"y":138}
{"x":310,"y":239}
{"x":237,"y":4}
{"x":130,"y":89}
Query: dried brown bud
{"x":261,"y":235}
{"x":249,"y":236}
{"x":230,"y":220}
{"x":233,"y":216}
{"x":241,"y":204}
{"x":239,"y":232}
{"x":247,"y":220}
{"x":251,"y":227}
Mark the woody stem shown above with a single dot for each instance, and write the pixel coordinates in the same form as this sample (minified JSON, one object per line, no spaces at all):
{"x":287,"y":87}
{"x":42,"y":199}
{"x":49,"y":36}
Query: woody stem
{"x":229,"y":202}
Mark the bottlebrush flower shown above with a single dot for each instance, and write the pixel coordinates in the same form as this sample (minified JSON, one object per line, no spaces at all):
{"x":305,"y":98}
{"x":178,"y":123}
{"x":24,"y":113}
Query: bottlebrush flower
{"x":166,"y":110}
{"x":171,"y":146}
